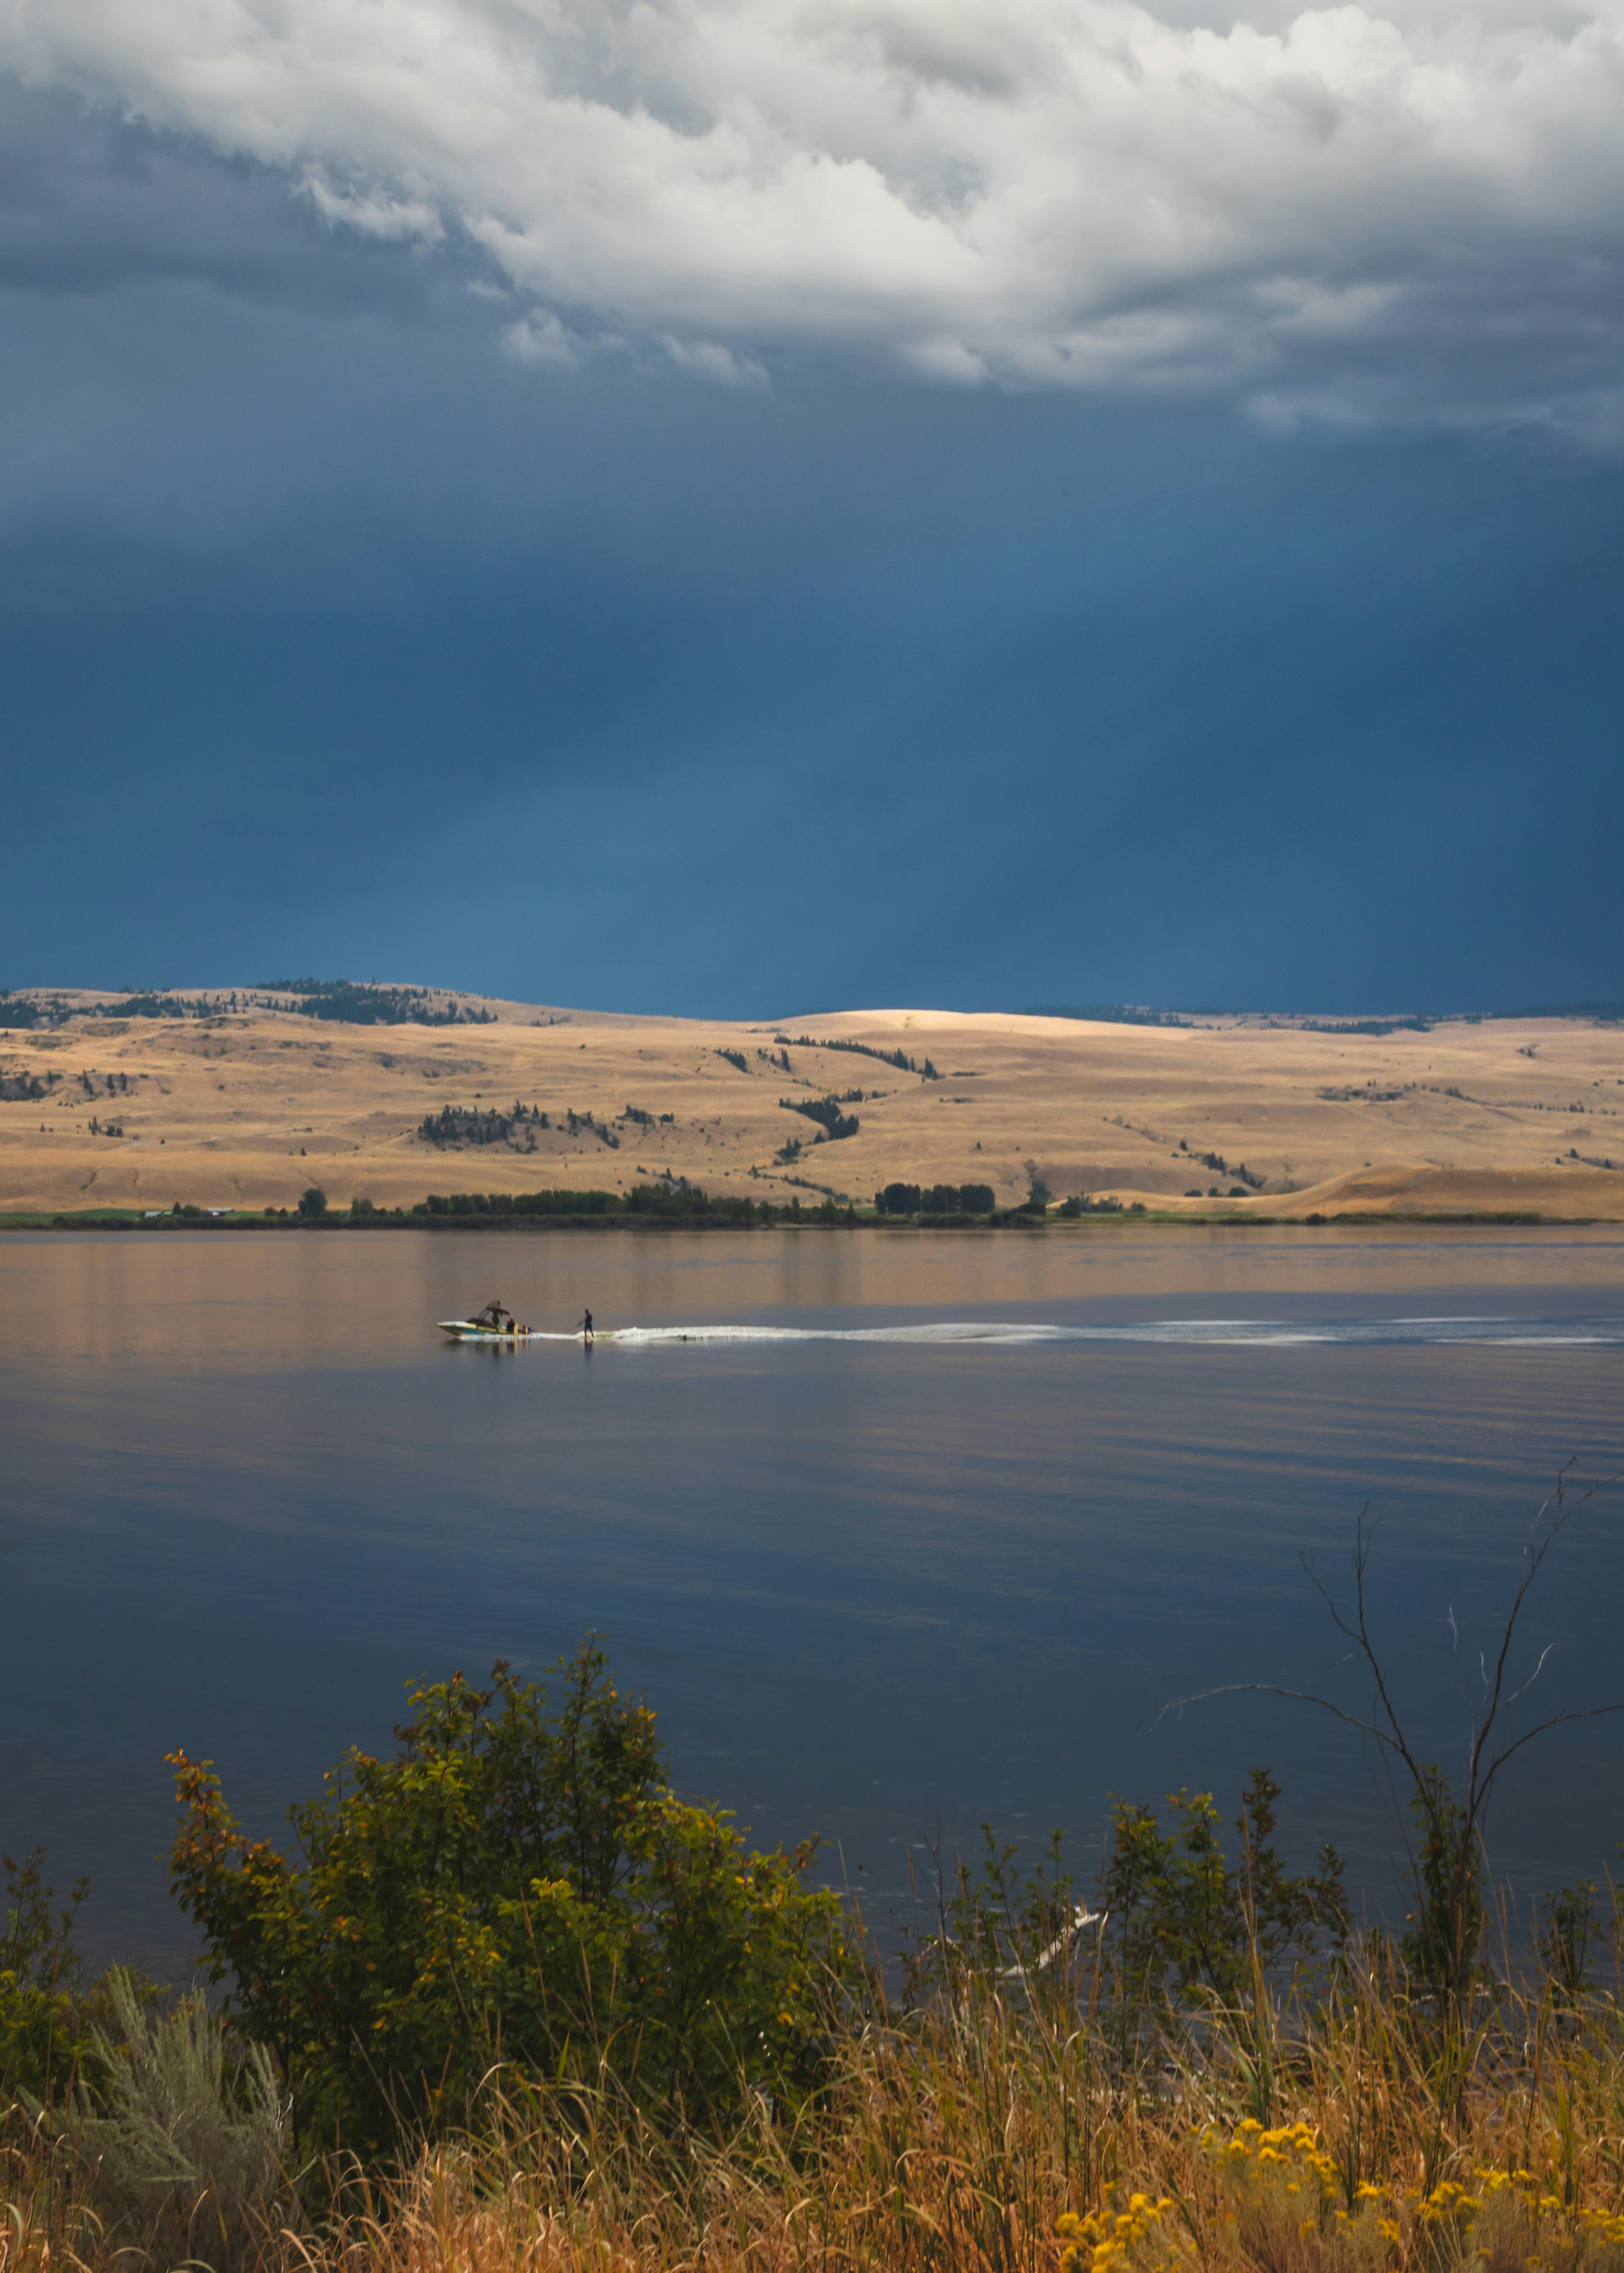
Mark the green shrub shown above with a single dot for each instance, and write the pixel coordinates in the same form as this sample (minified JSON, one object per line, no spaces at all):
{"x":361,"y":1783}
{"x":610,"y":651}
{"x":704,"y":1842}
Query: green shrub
{"x":1181,"y":1919}
{"x":1443,"y":1948}
{"x":513,"y":1886}
{"x":1173,"y":1922}
{"x":45,"y":2029}
{"x":183,"y":2144}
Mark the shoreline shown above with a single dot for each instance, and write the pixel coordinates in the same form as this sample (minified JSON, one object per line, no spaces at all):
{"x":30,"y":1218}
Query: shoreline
{"x":891,"y":1227}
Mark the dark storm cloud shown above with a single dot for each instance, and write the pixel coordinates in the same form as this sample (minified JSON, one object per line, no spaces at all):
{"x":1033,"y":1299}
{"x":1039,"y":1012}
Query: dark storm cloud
{"x":90,"y":201}
{"x":335,"y":636}
{"x":671,"y":698}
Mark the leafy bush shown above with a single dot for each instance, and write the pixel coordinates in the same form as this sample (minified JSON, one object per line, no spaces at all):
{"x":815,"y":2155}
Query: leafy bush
{"x":514,"y":1885}
{"x":1443,"y":1947}
{"x":45,"y":2029}
{"x":1570,"y":1933}
{"x":1172,"y":1919}
{"x":1180,"y":1918}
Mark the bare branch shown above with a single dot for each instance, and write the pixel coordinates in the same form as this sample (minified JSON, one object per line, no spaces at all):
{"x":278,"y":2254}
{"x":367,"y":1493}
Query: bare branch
{"x":1273,"y":1688}
{"x":1552,"y":1517}
{"x":1531,"y":1678}
{"x":1536,"y":1547}
{"x":1366,"y":1535}
{"x":1587,"y":1713}
{"x":1448,"y":1832}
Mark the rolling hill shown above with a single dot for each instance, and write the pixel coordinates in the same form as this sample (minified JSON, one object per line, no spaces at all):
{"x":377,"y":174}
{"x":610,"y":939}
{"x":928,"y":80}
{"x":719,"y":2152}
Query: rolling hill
{"x":241,"y":1097}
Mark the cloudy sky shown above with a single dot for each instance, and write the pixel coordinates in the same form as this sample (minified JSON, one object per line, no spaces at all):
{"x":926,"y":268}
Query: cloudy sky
{"x":751,"y":505}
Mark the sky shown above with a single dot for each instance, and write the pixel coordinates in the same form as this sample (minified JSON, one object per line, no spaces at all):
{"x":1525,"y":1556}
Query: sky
{"x":680,"y":505}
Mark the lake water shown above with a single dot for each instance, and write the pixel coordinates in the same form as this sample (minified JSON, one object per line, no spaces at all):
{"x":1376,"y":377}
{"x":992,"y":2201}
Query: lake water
{"x":897,"y":1531}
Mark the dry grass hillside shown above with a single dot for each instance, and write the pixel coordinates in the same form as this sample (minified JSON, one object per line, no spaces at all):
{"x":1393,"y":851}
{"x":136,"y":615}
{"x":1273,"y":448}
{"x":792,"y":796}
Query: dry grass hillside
{"x":247,"y":1105}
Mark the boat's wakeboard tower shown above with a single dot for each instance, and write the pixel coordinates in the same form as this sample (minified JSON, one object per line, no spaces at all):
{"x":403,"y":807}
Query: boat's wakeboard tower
{"x":495,"y":1321}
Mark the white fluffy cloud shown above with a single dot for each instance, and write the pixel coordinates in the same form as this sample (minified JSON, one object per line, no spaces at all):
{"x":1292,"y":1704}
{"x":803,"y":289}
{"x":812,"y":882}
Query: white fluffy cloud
{"x":1345,"y":215}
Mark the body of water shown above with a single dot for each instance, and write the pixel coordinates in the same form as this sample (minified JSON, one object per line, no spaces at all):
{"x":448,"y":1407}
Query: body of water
{"x":898,"y":1532}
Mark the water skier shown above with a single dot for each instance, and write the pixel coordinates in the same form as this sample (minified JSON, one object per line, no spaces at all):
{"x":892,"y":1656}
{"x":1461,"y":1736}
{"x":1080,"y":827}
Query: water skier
{"x":586,"y":1328}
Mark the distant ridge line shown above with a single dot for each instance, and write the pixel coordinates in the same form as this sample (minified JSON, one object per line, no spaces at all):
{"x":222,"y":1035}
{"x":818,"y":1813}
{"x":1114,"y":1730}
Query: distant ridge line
{"x":1119,"y":1014}
{"x":1138,"y":1013}
{"x":1609,"y":1012}
{"x":377,"y":1002}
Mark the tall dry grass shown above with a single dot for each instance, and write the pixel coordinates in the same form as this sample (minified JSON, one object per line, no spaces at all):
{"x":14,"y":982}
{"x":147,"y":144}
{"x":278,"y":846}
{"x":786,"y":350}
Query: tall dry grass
{"x":997,"y":2128}
{"x":987,"y":2135}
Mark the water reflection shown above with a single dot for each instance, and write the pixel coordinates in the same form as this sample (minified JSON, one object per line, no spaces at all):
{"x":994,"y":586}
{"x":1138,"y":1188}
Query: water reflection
{"x":250,"y":1492}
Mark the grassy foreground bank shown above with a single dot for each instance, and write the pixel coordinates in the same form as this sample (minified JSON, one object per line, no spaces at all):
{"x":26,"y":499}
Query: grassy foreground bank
{"x":993,"y":2126}
{"x":504,"y":2004}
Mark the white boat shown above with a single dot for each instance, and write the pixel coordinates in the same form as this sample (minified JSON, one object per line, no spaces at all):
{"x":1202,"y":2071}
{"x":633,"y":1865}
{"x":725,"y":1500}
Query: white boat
{"x":494,"y":1323}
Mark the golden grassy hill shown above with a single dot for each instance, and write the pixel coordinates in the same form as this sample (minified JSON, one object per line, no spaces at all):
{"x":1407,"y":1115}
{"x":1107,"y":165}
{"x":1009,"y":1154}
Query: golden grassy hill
{"x":246,"y":1107}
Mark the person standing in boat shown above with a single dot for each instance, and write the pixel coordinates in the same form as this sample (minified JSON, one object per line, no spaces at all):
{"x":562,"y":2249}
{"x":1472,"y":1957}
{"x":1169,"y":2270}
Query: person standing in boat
{"x":586,"y":1328}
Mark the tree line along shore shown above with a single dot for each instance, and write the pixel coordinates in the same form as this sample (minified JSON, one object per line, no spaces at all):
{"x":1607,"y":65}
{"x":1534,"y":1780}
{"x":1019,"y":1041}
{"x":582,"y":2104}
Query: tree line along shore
{"x":899,"y":1207}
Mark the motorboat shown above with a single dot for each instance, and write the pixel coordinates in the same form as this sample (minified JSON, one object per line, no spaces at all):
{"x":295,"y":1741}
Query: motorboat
{"x":493,"y":1324}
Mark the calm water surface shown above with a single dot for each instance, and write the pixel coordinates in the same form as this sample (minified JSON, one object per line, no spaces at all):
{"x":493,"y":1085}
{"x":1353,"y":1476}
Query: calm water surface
{"x":876,"y":1571}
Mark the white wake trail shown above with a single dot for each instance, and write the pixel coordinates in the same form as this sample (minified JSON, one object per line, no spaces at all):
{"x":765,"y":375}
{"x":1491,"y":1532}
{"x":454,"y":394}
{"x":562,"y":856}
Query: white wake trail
{"x":1221,"y":1333}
